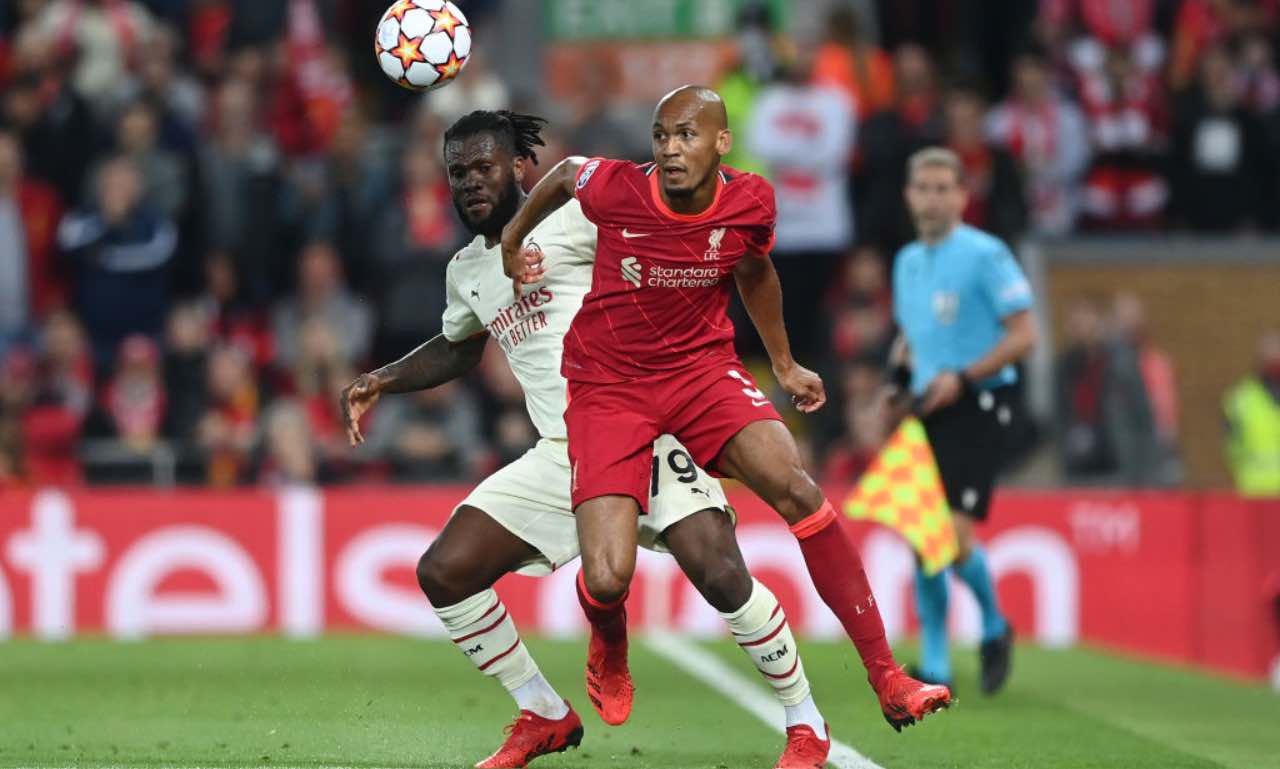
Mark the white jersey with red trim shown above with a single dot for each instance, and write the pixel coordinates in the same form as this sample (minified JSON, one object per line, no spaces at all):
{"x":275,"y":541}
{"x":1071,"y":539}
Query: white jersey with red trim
{"x":530,"y":331}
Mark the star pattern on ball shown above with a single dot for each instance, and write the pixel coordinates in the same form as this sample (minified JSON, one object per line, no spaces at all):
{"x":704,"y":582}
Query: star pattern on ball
{"x":408,"y":51}
{"x":445,"y":22}
{"x":450,"y":68}
{"x":398,"y":10}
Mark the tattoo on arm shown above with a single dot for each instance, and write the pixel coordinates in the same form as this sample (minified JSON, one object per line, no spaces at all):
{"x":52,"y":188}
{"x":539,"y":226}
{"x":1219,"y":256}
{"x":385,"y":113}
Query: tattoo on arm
{"x":432,"y":364}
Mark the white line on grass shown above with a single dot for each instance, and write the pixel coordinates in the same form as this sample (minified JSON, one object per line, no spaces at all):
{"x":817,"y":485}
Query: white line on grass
{"x":712,"y":671}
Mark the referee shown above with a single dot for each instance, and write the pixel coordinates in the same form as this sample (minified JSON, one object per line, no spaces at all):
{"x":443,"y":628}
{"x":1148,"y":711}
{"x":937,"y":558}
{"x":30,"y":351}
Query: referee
{"x":964,"y":309}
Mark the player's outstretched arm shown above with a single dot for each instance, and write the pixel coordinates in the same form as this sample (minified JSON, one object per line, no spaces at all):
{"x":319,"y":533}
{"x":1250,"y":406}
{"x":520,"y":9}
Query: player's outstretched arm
{"x":431,"y":364}
{"x":762,"y":296}
{"x":552,"y":191}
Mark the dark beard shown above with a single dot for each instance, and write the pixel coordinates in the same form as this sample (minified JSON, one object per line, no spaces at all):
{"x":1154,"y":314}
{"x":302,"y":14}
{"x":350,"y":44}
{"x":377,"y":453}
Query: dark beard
{"x":502,"y":212}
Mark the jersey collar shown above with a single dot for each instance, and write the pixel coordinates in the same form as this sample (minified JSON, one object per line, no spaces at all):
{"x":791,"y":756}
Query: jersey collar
{"x":666,"y":211}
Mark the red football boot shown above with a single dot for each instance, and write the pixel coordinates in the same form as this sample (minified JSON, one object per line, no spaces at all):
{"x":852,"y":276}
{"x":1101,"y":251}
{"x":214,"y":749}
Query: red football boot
{"x":805,"y":750}
{"x":904,"y":700}
{"x":531,"y":736}
{"x":609,"y":683}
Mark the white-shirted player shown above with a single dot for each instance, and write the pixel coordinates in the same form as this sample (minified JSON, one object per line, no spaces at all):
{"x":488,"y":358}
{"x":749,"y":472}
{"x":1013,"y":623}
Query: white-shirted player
{"x":520,"y":519}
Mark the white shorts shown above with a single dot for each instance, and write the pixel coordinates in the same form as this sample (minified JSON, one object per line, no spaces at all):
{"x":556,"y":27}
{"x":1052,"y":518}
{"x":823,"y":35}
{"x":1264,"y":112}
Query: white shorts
{"x":530,"y":498}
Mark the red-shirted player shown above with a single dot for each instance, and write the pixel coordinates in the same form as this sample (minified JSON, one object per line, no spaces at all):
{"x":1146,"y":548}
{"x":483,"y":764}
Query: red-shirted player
{"x":651,"y":352}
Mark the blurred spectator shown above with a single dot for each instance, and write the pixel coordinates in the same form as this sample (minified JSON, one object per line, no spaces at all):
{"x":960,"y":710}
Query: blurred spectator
{"x":17,"y":394}
{"x":1148,"y":450}
{"x":1104,"y":22}
{"x":355,"y":190}
{"x":49,"y":425}
{"x":119,"y":249}
{"x":1203,"y":24}
{"x":232,"y":319}
{"x":134,"y":399}
{"x":432,"y":435}
{"x":1128,"y":130}
{"x":105,"y":38}
{"x":164,"y":174}
{"x":68,"y":364}
{"x":996,"y":200}
{"x":846,"y":60}
{"x":886,"y":140}
{"x":186,"y":374}
{"x":1252,"y":409}
{"x":414,"y":239}
{"x":322,"y":295}
{"x":1220,"y":177}
{"x":597,"y":131}
{"x":756,"y":60}
{"x":862,"y":312}
{"x":226,"y":431}
{"x":321,"y":372}
{"x":241,"y":192}
{"x":312,"y":87}
{"x":51,"y":119}
{"x":1047,"y":135}
{"x":1084,"y":387}
{"x":42,"y":431}
{"x":804,"y":132}
{"x":177,"y":98}
{"x":863,"y":428}
{"x":1260,"y":82}
{"x":290,"y":458}
{"x":1117,"y":403}
{"x":29,"y":211}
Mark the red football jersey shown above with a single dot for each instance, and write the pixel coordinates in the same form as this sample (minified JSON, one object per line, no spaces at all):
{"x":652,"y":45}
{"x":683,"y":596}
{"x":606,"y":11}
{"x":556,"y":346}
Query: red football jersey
{"x":660,"y":288}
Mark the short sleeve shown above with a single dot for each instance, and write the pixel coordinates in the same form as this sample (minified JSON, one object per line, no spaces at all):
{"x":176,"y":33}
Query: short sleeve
{"x":591,"y":186}
{"x":458,"y":323}
{"x":1004,"y":283}
{"x":579,"y":232}
{"x":761,"y":235}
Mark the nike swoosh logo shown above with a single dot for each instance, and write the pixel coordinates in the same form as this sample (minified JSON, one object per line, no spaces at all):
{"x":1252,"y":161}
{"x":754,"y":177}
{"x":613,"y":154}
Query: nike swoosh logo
{"x":758,"y":404}
{"x":630,"y":235}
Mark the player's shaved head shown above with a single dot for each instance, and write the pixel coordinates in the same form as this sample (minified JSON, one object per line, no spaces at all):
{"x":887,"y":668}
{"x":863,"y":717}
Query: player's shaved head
{"x":696,"y":102}
{"x":690,"y":135}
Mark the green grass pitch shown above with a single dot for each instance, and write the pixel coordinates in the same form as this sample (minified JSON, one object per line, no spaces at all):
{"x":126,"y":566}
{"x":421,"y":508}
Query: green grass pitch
{"x":392,"y":702}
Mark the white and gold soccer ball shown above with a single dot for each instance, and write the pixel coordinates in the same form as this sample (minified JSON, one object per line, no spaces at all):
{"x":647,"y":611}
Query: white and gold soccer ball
{"x":423,"y":44}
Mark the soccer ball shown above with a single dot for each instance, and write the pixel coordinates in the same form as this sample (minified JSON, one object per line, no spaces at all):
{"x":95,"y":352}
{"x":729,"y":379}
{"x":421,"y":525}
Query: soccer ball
{"x":423,"y":44}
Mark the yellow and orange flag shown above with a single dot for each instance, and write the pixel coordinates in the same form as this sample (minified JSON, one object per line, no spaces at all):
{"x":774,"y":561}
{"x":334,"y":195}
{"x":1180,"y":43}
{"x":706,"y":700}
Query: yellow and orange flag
{"x":902,"y":490}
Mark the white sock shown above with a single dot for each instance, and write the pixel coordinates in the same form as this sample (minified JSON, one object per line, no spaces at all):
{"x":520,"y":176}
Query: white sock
{"x":537,"y":696}
{"x":807,"y":713}
{"x":482,"y":629}
{"x":760,"y":628}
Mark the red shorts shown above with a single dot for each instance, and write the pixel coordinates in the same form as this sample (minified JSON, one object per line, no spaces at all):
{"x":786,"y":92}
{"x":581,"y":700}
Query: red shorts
{"x":612,"y":427}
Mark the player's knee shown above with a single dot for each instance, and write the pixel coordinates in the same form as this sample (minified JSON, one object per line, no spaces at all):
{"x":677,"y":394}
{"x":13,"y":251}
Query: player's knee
{"x":606,"y":581}
{"x":437,"y":580}
{"x":725,"y":583}
{"x":798,"y":496}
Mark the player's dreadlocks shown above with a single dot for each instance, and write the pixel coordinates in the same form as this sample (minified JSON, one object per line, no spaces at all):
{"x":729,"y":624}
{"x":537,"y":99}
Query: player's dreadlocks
{"x":522,"y":132}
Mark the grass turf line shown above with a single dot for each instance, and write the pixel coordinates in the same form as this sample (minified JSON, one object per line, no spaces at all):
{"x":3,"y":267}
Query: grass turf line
{"x":394,"y":702}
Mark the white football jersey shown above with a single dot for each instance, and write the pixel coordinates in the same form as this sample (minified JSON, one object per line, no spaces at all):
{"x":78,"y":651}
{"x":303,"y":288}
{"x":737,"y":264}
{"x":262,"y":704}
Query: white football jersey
{"x":530,"y":331}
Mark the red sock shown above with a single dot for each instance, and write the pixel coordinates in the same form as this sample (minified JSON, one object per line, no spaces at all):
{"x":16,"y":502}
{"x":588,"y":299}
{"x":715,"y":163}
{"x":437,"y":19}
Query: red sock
{"x":608,"y":620}
{"x":836,"y":570}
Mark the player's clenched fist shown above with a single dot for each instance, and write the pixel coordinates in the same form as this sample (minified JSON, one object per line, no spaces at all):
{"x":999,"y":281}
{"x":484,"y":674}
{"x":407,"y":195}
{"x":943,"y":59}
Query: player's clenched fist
{"x":805,"y":387}
{"x":357,"y":398}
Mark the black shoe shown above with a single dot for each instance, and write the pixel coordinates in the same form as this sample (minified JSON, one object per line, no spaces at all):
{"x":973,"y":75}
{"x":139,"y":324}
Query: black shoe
{"x":996,"y":657}
{"x":913,"y":670}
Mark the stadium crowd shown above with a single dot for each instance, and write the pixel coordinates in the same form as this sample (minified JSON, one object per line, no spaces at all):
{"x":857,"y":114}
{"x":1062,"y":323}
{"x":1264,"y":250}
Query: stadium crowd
{"x":213,"y":213}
